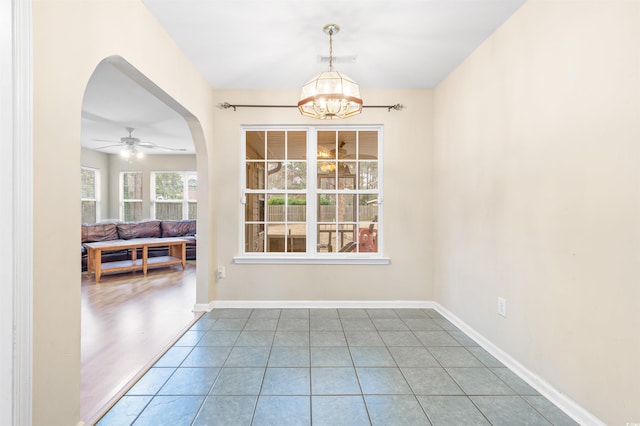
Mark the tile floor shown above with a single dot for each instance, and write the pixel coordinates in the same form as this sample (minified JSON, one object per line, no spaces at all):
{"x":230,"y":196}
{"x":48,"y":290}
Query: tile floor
{"x":330,"y":367}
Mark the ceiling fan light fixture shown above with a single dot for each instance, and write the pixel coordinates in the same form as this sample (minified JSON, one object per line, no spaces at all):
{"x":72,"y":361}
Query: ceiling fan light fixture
{"x":330,"y":94}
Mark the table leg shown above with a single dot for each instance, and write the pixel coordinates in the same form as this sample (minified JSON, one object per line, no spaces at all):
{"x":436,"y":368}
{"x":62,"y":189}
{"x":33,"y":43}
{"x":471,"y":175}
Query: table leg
{"x":145,"y":257}
{"x":97,"y":264}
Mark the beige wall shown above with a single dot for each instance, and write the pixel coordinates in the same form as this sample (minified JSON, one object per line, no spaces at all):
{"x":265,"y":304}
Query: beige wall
{"x":70,"y":38}
{"x":150,"y":163}
{"x":407,"y":205}
{"x":537,"y":197}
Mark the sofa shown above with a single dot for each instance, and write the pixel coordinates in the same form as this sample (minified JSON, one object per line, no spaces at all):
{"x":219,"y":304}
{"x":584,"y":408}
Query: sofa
{"x":105,"y":231}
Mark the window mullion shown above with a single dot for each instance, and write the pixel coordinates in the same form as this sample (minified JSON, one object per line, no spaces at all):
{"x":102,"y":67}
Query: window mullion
{"x":312,"y":197}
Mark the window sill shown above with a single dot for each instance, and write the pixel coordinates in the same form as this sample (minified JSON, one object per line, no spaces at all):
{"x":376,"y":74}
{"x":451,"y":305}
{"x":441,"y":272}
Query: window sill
{"x":306,"y":260}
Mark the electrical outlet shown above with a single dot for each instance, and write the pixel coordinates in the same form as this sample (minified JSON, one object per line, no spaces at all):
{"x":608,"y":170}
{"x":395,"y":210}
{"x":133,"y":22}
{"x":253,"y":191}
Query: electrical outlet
{"x":502,"y":306}
{"x":222,"y":272}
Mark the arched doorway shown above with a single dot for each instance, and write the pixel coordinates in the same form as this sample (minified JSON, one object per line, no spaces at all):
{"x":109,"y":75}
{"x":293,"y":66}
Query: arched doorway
{"x":114,"y":350}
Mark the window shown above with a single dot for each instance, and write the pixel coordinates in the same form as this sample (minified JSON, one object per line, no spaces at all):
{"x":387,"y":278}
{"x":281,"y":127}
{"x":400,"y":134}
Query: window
{"x":174,"y":195}
{"x":131,"y":196}
{"x":90,"y":183}
{"x":312,"y":192}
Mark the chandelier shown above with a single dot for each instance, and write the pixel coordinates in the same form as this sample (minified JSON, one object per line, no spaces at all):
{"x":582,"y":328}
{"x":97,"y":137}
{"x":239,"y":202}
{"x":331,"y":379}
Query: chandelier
{"x":330,"y":94}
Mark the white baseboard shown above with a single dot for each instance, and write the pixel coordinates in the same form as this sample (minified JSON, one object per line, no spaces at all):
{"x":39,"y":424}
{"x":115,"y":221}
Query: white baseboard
{"x":203,"y":307}
{"x":562,"y":401}
{"x":283,"y":304}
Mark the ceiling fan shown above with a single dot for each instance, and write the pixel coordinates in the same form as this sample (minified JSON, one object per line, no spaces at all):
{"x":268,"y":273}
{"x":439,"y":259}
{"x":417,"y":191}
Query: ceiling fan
{"x":131,"y":145}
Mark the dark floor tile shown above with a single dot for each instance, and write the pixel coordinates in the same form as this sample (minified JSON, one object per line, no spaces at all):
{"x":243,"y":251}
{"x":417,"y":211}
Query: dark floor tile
{"x":514,"y":382}
{"x":325,"y":324}
{"x":363,"y":338}
{"x":389,"y":324}
{"x":334,"y":381}
{"x":207,"y":356}
{"x":382,"y":381}
{"x":173,"y":410}
{"x":324,"y":313}
{"x":291,"y":338}
{"x":327,"y":338}
{"x":238,"y":381}
{"x":357,"y":324}
{"x":395,"y":410}
{"x":377,"y":356}
{"x":174,"y":356}
{"x":283,"y":411}
{"x":190,"y":381}
{"x":508,"y":411}
{"x":552,"y":413}
{"x":190,"y":338}
{"x":462,"y":338}
{"x":382,"y":313}
{"x":248,"y":356}
{"x":286,"y":356}
{"x":431,"y":381}
{"x":446,"y":324}
{"x":422,"y":324}
{"x":234,"y":313}
{"x":479,"y":381}
{"x":432,"y":313}
{"x":399,"y":338}
{"x":286,"y":381}
{"x":219,"y":338}
{"x":454,"y":356}
{"x":125,"y":411}
{"x":331,"y":357}
{"x":229,"y":324}
{"x":452,"y":410}
{"x":203,"y":324}
{"x":413,"y":356}
{"x":294,"y":313}
{"x":411,"y":313}
{"x":261,"y":324}
{"x":339,"y":411}
{"x":151,"y":382}
{"x":485,"y":357}
{"x":352,"y":313}
{"x":226,"y":411}
{"x":436,"y":338}
{"x":255,"y":338}
{"x":265,"y":314}
{"x":293,"y":324}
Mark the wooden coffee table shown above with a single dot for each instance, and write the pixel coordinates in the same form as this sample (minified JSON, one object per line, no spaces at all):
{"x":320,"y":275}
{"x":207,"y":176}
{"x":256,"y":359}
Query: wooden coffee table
{"x":177,"y":255}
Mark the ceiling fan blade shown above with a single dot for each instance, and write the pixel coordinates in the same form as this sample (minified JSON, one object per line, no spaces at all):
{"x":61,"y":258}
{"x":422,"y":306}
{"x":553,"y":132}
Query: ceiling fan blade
{"x":108,"y":146}
{"x":104,"y":140}
{"x":154,"y":146}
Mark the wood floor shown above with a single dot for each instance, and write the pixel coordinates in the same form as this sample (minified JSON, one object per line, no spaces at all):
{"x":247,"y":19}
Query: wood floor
{"x":128,"y":320}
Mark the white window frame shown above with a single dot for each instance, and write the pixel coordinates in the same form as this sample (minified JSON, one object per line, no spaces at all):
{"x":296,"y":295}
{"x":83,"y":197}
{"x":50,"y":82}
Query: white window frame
{"x":121,"y":192}
{"x":96,"y":190}
{"x":185,"y":201}
{"x":311,"y":256}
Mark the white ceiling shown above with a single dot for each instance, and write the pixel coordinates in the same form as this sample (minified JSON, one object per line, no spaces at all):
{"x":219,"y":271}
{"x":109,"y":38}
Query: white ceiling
{"x":277,"y":44}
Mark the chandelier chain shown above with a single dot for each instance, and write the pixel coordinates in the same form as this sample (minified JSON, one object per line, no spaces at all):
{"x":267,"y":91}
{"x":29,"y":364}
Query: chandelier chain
{"x":331,"y":49}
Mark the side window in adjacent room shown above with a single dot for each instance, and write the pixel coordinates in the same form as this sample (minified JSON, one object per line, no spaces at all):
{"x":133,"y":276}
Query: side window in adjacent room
{"x":131,"y":196}
{"x":174,"y":195}
{"x":90,"y":194}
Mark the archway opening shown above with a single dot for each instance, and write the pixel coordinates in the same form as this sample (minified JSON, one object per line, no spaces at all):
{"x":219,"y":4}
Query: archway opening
{"x":128,"y":319}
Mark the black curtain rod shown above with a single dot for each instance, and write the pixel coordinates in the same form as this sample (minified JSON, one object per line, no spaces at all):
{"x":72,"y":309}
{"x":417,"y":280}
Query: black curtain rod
{"x":227,"y":105}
